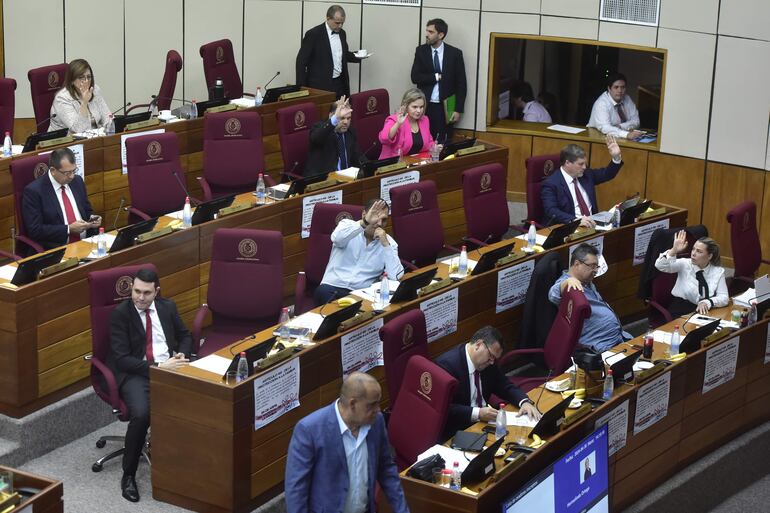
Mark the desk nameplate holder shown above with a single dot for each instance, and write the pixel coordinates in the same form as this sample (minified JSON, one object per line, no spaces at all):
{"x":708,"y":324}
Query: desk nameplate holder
{"x":651,"y":213}
{"x":470,"y":151}
{"x":295,"y":94}
{"x":57,"y":268}
{"x":433,"y":287}
{"x":145,"y":237}
{"x":55,"y":142}
{"x":716,"y":337}
{"x":142,"y":124}
{"x":321,"y":185}
{"x":221,"y":108}
{"x":581,"y":412}
{"x":269,"y":361}
{"x":648,"y":374}
{"x":390,"y":168}
{"x":232,"y":209}
{"x":357,"y":319}
{"x":582,"y":235}
{"x":511,"y":257}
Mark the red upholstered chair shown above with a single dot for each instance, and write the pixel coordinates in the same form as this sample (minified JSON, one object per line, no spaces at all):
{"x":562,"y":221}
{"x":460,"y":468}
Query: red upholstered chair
{"x":485,"y":204}
{"x":370,"y":108}
{"x":319,"y":248}
{"x":402,"y":337}
{"x":167,"y":84}
{"x":560,"y":344}
{"x":747,"y":251}
{"x":539,"y":167}
{"x":245,"y":291}
{"x":426,"y":391}
{"x":23,"y":172}
{"x":7,"y":105}
{"x":44,"y":83}
{"x":108,"y":288}
{"x":152,"y":161}
{"x":294,"y":123}
{"x":233,"y":155}
{"x":417,"y":223}
{"x":219,"y":62}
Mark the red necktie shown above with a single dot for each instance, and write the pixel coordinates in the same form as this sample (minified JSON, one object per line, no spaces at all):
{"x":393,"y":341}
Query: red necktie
{"x":70,"y":212}
{"x":148,"y":330}
{"x":581,"y":202}
{"x":621,"y":113}
{"x":477,"y":382}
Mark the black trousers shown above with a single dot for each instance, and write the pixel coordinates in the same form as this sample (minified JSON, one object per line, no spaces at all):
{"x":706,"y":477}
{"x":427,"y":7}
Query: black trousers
{"x":679,"y":306}
{"x":135,"y":392}
{"x":439,"y":129}
{"x":339,"y":87}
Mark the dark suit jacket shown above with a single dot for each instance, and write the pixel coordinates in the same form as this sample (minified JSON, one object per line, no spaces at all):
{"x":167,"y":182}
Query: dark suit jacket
{"x":323,"y":155}
{"x":493,"y":381}
{"x":452,"y":74}
{"x":43,"y":218}
{"x":317,"y":470}
{"x":557,"y":198}
{"x":128,"y":340}
{"x":314,"y":61}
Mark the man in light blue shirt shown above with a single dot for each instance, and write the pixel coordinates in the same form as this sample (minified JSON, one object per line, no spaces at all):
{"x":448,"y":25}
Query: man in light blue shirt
{"x":602,"y":330}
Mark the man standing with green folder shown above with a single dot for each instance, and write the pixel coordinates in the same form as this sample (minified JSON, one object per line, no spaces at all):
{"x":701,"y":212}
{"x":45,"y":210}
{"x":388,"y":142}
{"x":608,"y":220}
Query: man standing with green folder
{"x":439,"y":71}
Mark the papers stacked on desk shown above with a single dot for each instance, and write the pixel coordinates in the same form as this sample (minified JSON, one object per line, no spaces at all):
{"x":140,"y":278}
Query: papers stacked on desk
{"x":309,"y":320}
{"x":212,"y":363}
{"x":244,"y":102}
{"x":512,"y":418}
{"x":351,"y":172}
{"x":7,"y":272}
{"x":372,"y":292}
{"x":760,"y":292}
{"x":566,"y":129}
{"x":450,"y":455}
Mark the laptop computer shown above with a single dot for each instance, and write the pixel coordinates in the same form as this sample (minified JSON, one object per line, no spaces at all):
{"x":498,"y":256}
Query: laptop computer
{"x":368,"y":168}
{"x":482,"y":465}
{"x":551,"y":421}
{"x":623,"y":369}
{"x":272,"y":94}
{"x":452,"y":147}
{"x":488,"y":260}
{"x":407,"y":289}
{"x":122,"y":121}
{"x":606,"y":217}
{"x":332,"y":321}
{"x":127,"y":235}
{"x":29,"y":268}
{"x":32,"y":141}
{"x":629,"y":215}
{"x":205,"y":211}
{"x":557,"y":235}
{"x":253,"y":355}
{"x":692,"y":341}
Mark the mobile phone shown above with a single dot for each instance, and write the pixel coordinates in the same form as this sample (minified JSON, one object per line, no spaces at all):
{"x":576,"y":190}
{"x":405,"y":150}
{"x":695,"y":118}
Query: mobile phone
{"x":490,"y":430}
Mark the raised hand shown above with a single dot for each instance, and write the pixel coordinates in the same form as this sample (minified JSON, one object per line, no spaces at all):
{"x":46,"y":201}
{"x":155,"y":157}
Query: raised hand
{"x":680,"y":243}
{"x":401,"y":113}
{"x":343,"y":107}
{"x":376,"y":212}
{"x":612,"y":147}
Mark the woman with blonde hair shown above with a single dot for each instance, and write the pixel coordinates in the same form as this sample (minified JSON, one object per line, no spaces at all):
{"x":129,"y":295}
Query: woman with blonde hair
{"x":408,"y":130}
{"x":79,"y":105}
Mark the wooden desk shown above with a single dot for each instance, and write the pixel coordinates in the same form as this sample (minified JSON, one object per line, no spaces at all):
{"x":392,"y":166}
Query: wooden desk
{"x":45,"y":326}
{"x":696,"y":423}
{"x":199,"y":422}
{"x":47,"y":500}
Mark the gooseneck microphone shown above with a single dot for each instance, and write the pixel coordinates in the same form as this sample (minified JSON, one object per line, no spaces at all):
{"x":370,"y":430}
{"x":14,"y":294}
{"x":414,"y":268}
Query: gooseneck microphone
{"x":271,"y":80}
{"x":181,"y":184}
{"x":117,"y":214}
{"x":49,"y":118}
{"x":128,"y":104}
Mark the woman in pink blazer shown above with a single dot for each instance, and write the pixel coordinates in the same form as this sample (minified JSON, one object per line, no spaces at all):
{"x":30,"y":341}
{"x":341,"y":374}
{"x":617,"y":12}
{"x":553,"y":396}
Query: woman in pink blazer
{"x":408,"y":130}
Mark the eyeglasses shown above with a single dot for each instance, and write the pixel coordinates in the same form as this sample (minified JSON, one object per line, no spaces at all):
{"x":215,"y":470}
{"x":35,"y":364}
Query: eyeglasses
{"x":67,"y":173}
{"x":84,"y":78}
{"x":593,"y":267}
{"x":492,"y":355}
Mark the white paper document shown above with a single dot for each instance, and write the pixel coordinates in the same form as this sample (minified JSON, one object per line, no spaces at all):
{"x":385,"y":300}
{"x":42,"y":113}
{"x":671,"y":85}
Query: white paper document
{"x":351,"y":172}
{"x":450,"y":455}
{"x":539,"y":239}
{"x":566,"y":129}
{"x":720,"y":364}
{"x":618,"y":427}
{"x":361,"y":349}
{"x":8,"y":271}
{"x":276,"y":392}
{"x":512,"y":418}
{"x":440,"y":314}
{"x":372,"y":292}
{"x":652,"y":402}
{"x":244,"y":102}
{"x":213,"y":363}
{"x":512,"y":284}
{"x":309,"y":320}
{"x":642,"y":235}
{"x":388,"y":182}
{"x":309,"y":203}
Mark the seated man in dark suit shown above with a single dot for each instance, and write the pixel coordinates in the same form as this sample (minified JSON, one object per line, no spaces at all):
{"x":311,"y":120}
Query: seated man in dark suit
{"x":144,"y":331}
{"x":55,"y":206}
{"x":570,"y":193}
{"x":473,"y":365}
{"x":333,"y":142}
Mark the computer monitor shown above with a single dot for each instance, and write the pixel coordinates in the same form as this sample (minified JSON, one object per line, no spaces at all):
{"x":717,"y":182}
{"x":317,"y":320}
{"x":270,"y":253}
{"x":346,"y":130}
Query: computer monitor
{"x":483,"y":465}
{"x":32,"y":141}
{"x":207,"y":210}
{"x":368,"y":168}
{"x":202,"y":107}
{"x":122,"y":121}
{"x":253,"y":355}
{"x":557,"y":235}
{"x":127,"y":235}
{"x":623,"y":369}
{"x":629,"y":215}
{"x":29,"y":268}
{"x":272,"y":94}
{"x":407,"y":288}
{"x":332,"y":321}
{"x":488,"y":260}
{"x":551,"y":421}
{"x":452,"y":147}
{"x":577,"y":482}
{"x":692,"y":341}
{"x":298,"y":186}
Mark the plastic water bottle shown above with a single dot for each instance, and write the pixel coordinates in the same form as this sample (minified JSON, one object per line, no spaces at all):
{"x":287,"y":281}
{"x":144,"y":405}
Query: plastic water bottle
{"x":109,"y":128}
{"x":7,"y":145}
{"x":456,"y":477}
{"x":243,"y":368}
{"x":501,"y":423}
{"x":384,"y":291}
{"x":676,"y":339}
{"x":609,"y":386}
{"x":260,"y":193}
{"x":462,"y":266}
{"x":616,"y":216}
{"x":194,"y":109}
{"x":753,"y":312}
{"x":531,"y":235}
{"x":101,"y":243}
{"x":283,"y":330}
{"x":258,"y":98}
{"x":187,"y":213}
{"x":400,"y":155}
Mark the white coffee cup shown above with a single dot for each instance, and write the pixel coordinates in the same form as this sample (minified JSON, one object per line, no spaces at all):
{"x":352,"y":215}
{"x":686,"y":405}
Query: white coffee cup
{"x":164,"y":114}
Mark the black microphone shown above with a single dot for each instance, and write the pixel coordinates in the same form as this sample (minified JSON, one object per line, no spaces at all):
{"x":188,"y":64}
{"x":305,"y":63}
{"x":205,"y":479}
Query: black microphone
{"x":363,"y":158}
{"x":115,"y":222}
{"x":181,"y":184}
{"x":49,"y":118}
{"x":128,"y":104}
{"x":271,"y":80}
{"x":547,"y":378}
{"x":550,"y":220}
{"x":291,"y":171}
{"x":613,"y":356}
{"x":155,"y":99}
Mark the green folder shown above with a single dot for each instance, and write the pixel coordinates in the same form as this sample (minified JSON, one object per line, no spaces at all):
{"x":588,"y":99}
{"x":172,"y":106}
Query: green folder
{"x":449,"y":106}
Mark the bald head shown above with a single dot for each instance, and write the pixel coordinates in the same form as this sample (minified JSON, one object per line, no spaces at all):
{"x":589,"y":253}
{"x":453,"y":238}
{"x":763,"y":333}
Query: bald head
{"x":358,"y":385}
{"x":359,"y":400}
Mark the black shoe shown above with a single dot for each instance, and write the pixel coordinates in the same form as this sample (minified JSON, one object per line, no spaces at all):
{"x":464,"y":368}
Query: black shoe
{"x":130,"y":491}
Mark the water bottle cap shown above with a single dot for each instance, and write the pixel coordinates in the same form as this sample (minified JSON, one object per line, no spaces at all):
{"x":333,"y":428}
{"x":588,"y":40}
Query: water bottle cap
{"x":609,"y":372}
{"x":187,"y":199}
{"x":462,"y":248}
{"x":101,"y":229}
{"x":532,"y":223}
{"x":502,"y":405}
{"x":243,"y":353}
{"x":385,"y":275}
{"x":456,"y":464}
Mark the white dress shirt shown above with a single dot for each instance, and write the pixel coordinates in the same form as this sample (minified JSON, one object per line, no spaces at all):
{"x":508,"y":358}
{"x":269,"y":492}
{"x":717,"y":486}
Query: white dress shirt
{"x":68,"y":191}
{"x":336,"y":44}
{"x":434,"y":95}
{"x":686,"y":286}
{"x":160,"y":352}
{"x":357,"y":456}
{"x":569,"y":180}
{"x":475,"y":392}
{"x":604,"y":115}
{"x":355,"y":263}
{"x":534,"y":111}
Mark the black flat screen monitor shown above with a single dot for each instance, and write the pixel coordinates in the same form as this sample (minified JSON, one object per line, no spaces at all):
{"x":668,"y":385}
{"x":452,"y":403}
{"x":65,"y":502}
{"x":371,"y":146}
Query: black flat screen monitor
{"x":272,"y":94}
{"x":557,"y":235}
{"x":368,"y":168}
{"x":122,"y":121}
{"x":202,"y":107}
{"x":692,"y":341}
{"x":629,"y":215}
{"x":29,"y":268}
{"x":206,"y":211}
{"x":623,"y":369}
{"x":452,"y":147}
{"x":488,"y":260}
{"x":551,"y":421}
{"x":253,"y":355}
{"x":483,"y":465}
{"x":127,"y":235}
{"x":407,"y":288}
{"x":332,"y":321}
{"x":298,"y":186}
{"x":32,"y":141}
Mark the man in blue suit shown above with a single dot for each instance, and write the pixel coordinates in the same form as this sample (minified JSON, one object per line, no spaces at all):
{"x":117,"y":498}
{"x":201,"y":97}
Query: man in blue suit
{"x":337,"y":453}
{"x":55,"y":206}
{"x":570,"y":193}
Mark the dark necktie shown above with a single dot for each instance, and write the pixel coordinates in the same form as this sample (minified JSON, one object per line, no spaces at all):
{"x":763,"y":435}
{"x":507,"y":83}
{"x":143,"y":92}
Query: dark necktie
{"x":581,"y":202}
{"x":703,"y":287}
{"x":341,"y":153}
{"x":148,"y":330}
{"x":477,"y":382}
{"x":70,"y":213}
{"x":621,"y":113}
{"x":436,"y":63}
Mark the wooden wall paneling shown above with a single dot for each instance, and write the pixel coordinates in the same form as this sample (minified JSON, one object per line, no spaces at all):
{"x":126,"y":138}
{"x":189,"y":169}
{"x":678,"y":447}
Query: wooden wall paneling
{"x":548,"y":145}
{"x":763,"y":224}
{"x":519,"y":149}
{"x":677,"y":181}
{"x":631,"y":178}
